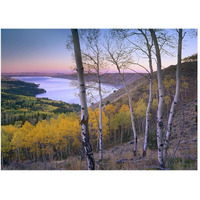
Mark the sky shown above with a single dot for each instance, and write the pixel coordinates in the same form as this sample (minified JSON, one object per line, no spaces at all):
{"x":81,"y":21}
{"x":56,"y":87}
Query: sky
{"x":44,"y":50}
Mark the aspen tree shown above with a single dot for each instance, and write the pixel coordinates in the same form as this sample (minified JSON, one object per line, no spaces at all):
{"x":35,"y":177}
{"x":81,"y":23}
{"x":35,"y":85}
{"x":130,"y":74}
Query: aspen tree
{"x":82,"y":95}
{"x":149,"y":55}
{"x":94,"y":61}
{"x":141,"y":41}
{"x":121,"y":57}
{"x":175,"y":101}
{"x":160,"y":102}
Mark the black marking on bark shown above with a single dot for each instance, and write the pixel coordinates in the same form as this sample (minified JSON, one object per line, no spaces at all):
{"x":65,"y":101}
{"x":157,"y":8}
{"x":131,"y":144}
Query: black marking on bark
{"x":82,"y":108}
{"x":84,"y":121}
{"x":82,"y":85}
{"x":160,"y":124}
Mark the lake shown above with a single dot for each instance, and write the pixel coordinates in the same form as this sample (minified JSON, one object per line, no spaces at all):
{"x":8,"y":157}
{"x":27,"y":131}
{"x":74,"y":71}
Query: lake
{"x":60,"y":89}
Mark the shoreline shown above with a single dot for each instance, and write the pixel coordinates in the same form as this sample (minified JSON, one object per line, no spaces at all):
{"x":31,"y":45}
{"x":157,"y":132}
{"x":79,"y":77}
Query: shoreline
{"x":113,"y":79}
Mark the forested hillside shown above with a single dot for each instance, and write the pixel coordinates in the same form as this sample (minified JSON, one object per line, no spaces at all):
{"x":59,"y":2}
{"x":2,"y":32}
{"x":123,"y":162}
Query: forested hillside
{"x":13,"y":86}
{"x":18,"y":103}
{"x":44,"y":145}
{"x":154,"y":112}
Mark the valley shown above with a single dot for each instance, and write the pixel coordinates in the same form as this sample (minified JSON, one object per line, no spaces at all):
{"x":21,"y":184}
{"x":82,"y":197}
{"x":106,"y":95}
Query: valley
{"x":118,"y":152}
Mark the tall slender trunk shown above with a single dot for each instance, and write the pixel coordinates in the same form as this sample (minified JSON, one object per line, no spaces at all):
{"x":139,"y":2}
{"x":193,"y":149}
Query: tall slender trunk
{"x":82,"y":95}
{"x":100,"y":119}
{"x":148,"y":110}
{"x":131,"y":112}
{"x":161,"y":101}
{"x":175,"y":101}
{"x":150,"y":94}
{"x":97,"y":149}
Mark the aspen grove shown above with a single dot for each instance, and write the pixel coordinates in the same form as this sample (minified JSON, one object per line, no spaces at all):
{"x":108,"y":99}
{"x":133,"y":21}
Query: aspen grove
{"x":141,"y":110}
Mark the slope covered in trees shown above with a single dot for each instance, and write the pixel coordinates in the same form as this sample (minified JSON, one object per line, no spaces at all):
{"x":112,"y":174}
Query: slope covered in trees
{"x":60,"y":137}
{"x":19,"y":104}
{"x":13,"y":86}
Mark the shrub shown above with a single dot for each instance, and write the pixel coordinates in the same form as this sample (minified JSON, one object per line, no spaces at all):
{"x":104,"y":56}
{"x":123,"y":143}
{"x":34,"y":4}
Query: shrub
{"x":152,"y":140}
{"x":107,"y":102}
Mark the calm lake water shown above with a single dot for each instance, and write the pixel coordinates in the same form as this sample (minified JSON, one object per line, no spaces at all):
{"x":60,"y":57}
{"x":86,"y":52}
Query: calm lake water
{"x":60,"y":89}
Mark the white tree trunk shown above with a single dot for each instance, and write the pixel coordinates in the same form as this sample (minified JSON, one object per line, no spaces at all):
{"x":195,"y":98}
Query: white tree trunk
{"x":160,"y":103}
{"x":150,"y":93}
{"x":82,"y":95}
{"x":175,"y":101}
{"x":100,"y":120}
{"x":131,"y":112}
{"x":147,"y":119}
{"x":148,"y":107}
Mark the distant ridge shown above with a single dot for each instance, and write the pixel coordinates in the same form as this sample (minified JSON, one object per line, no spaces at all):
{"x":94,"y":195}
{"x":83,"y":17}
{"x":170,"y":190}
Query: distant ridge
{"x":107,"y":78}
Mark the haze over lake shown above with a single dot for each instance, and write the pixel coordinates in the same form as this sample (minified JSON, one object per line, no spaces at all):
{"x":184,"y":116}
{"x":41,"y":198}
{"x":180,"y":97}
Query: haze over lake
{"x":60,"y":89}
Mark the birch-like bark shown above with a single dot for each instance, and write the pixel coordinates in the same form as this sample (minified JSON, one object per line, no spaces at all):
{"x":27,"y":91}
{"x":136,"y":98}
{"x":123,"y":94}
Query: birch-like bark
{"x":131,"y":112}
{"x":100,"y":119}
{"x":175,"y":101}
{"x":161,"y":101}
{"x":147,"y":118}
{"x":95,"y":62}
{"x":124,"y":56}
{"x":149,"y":101}
{"x":84,"y":110}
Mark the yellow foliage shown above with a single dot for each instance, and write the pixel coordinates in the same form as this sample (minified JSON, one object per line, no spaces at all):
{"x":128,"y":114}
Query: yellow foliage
{"x":124,"y":108}
{"x":5,"y":143}
{"x":140,"y":108}
{"x":9,"y":130}
{"x":184,"y":86}
{"x":167,"y":100}
{"x":110,"y":110}
{"x":154,"y":104}
{"x":123,"y":117}
{"x":94,"y":123}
